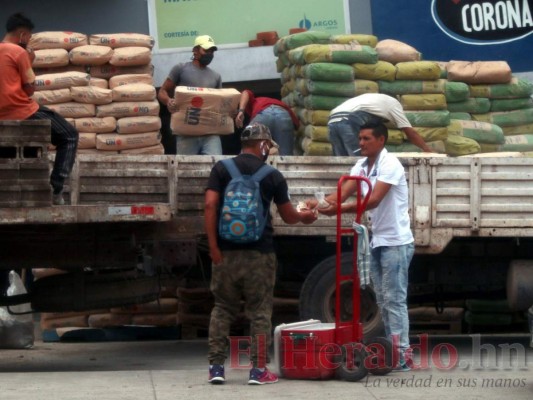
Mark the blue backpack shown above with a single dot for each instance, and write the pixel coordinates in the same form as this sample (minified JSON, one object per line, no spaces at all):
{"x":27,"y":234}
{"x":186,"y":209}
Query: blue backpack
{"x":243,"y":217}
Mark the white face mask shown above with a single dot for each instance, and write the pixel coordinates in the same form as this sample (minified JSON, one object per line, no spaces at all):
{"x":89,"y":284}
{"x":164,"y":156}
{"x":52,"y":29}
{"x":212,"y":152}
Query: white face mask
{"x":265,"y":150}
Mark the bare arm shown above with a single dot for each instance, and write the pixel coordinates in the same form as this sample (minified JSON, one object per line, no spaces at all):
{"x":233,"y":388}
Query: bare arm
{"x":289,"y":215}
{"x":212,"y":201}
{"x":416,"y":139}
{"x":29,"y":89}
{"x":164,"y":95}
{"x":239,"y":119}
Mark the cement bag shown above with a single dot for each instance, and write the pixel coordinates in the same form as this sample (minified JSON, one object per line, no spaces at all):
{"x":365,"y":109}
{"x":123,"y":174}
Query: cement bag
{"x":394,"y":51}
{"x":380,"y":71}
{"x":134,"y":92}
{"x":57,"y":70}
{"x":110,"y":141}
{"x":128,"y":109}
{"x":61,"y":80}
{"x":317,"y":133}
{"x":456,"y":91}
{"x":162,"y":320}
{"x":344,"y":89}
{"x":73,"y":109}
{"x":491,"y":148}
{"x":314,"y":117}
{"x":290,"y":100}
{"x":337,"y":53}
{"x":423,"y":101}
{"x":432,"y":134}
{"x":45,"y":97}
{"x":395,"y":136}
{"x":78,"y":321}
{"x":318,"y":102}
{"x":97,"y":125}
{"x":479,"y":71}
{"x":127,"y":79}
{"x":516,"y":88}
{"x":50,"y":58}
{"x":510,"y":104}
{"x":362,"y":39}
{"x":158,"y":149}
{"x":57,"y":40}
{"x":280,"y":64}
{"x":481,"y":132}
{"x":525,"y":129}
{"x":327,"y":72}
{"x":443,"y":65}
{"x":518,"y":143}
{"x":99,"y":82}
{"x":461,"y":115}
{"x":115,"y":40}
{"x":417,"y":70}
{"x":304,"y":38}
{"x":412,"y":87}
{"x":108,"y":320}
{"x":507,"y":118}
{"x":131,"y":56}
{"x":87,"y":140}
{"x":90,"y":55}
{"x":477,"y":105}
{"x":163,"y":305}
{"x":91,"y":95}
{"x":428,"y":118}
{"x":138,"y":124}
{"x":16,"y":331}
{"x":460,"y":146}
{"x":107,"y":71}
{"x":312,"y":148}
{"x":406,"y":147}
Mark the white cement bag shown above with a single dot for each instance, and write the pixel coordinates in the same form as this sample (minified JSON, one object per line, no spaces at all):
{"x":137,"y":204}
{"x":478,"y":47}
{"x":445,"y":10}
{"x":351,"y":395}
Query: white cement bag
{"x":128,"y":109}
{"x":61,"y":80}
{"x":50,"y":58}
{"x":138,"y":124}
{"x":107,"y":71}
{"x":57,"y":40}
{"x":73,"y":109}
{"x":90,"y":55}
{"x":110,"y":141}
{"x":97,"y":125}
{"x":99,"y":82}
{"x":158,"y":149}
{"x":131,"y":56}
{"x":87,"y":140}
{"x":45,"y":97}
{"x":115,"y":40}
{"x":127,"y":79}
{"x":134,"y":92}
{"x":91,"y":95}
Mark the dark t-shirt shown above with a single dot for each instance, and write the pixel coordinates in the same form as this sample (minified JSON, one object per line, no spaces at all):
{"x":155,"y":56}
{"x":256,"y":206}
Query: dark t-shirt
{"x":273,"y":187}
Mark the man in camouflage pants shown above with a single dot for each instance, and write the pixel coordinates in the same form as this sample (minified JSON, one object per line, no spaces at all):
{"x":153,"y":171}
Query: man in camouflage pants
{"x":245,"y":271}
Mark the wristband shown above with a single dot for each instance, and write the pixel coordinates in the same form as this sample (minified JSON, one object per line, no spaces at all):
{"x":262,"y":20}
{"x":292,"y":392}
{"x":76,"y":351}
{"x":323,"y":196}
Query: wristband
{"x":240,"y":110}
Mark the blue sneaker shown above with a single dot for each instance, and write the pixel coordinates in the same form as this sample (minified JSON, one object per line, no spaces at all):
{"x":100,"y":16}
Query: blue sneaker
{"x":402,"y":366}
{"x":216,"y":373}
{"x":258,"y":377}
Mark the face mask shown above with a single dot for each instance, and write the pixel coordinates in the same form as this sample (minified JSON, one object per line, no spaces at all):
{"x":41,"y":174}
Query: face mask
{"x":265,"y":150}
{"x":205,"y":59}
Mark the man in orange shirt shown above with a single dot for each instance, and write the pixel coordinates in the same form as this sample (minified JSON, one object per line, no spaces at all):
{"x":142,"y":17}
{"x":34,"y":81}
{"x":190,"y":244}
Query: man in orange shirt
{"x":16,"y":88}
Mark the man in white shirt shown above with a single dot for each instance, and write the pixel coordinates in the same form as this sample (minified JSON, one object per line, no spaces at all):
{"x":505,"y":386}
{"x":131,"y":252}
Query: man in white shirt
{"x":392,"y":244}
{"x":346,"y":120}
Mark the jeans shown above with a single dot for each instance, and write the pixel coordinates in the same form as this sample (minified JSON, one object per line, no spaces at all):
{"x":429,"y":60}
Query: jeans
{"x":65,"y":138}
{"x":389,"y":270}
{"x":281,"y":127}
{"x":198,"y":145}
{"x":344,"y":134}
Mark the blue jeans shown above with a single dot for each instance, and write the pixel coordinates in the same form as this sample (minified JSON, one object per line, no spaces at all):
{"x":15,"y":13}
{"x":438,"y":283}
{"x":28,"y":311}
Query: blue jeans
{"x":281,"y":127}
{"x":198,"y":145}
{"x":344,"y":134}
{"x":389,"y":270}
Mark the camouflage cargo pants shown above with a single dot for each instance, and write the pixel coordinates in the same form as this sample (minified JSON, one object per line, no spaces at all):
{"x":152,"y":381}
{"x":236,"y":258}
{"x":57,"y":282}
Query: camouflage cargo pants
{"x":248,"y":275}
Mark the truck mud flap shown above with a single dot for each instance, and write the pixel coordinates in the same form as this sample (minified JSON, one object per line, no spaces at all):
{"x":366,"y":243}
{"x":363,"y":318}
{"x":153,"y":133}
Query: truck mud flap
{"x":85,"y":291}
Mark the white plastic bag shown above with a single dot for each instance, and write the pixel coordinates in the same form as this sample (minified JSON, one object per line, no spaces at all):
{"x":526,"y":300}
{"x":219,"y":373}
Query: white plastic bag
{"x":16,"y":331}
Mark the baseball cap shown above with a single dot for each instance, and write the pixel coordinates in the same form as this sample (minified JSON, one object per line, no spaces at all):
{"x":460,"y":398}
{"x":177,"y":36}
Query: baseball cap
{"x":206,"y":42}
{"x":257,"y":131}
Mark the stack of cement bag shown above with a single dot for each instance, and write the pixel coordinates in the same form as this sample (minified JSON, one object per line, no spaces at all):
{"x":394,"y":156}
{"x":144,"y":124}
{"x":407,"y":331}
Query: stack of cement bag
{"x":103,"y":85}
{"x":319,"y":72}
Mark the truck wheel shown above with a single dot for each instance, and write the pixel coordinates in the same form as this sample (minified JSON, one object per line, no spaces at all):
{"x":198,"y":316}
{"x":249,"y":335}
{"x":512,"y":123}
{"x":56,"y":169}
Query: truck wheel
{"x":520,"y":284}
{"x":317,"y":297}
{"x":352,"y":363}
{"x":379,"y":355}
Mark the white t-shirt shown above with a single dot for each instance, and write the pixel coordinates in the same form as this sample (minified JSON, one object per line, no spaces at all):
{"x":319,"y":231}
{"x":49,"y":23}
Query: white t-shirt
{"x":382,"y":105}
{"x":390,"y":219}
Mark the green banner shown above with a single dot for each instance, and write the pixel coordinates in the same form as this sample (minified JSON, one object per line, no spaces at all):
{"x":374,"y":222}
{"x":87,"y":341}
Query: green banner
{"x":175,"y":23}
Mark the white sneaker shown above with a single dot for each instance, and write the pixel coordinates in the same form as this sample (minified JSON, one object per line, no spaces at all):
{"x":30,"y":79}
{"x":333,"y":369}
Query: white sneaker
{"x":58,"y":200}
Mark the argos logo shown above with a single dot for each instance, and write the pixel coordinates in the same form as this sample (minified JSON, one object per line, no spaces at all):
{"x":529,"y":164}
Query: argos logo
{"x":482,"y":22}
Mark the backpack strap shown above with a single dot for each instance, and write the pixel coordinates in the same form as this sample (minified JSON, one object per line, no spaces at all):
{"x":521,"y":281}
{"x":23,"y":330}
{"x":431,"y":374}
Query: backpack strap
{"x":262,"y":172}
{"x":258,"y":176}
{"x":230,"y":165}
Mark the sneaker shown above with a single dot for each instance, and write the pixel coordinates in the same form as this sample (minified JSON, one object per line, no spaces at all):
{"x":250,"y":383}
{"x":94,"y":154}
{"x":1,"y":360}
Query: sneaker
{"x":258,"y":377}
{"x":57,"y":199}
{"x":402,"y":366}
{"x":216,"y":373}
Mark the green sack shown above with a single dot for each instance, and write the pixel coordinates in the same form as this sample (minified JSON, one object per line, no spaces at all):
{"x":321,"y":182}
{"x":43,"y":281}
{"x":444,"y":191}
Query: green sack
{"x":461,"y":146}
{"x":318,"y":102}
{"x":490,"y":148}
{"x":362,"y":39}
{"x":395,"y":136}
{"x":314,"y":117}
{"x":406,"y":147}
{"x":312,"y":148}
{"x":411,"y":87}
{"x":474,"y":105}
{"x":456,"y":91}
{"x":511,"y":104}
{"x":518,"y":143}
{"x":423,"y":101}
{"x":481,"y":132}
{"x":303,"y":38}
{"x":382,"y":70}
{"x":417,"y":70}
{"x":344,"y":89}
{"x":317,"y":133}
{"x":507,"y":118}
{"x":432,"y":134}
{"x":461,"y":115}
{"x":516,"y":88}
{"x":518,"y":130}
{"x":333,"y":53}
{"x":326,"y":72}
{"x":428,"y":118}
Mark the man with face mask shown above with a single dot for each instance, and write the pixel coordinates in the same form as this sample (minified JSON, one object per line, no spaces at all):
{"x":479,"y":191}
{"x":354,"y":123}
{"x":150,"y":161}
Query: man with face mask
{"x":195,"y":73}
{"x":16,"y":88}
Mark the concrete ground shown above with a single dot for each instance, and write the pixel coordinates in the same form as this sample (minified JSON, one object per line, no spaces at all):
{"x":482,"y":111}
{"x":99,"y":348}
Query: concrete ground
{"x":482,"y":367}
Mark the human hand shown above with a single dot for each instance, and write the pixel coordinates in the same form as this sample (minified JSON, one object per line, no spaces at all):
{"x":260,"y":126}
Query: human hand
{"x":216,"y":256}
{"x":239,"y":119}
{"x":308,"y":216}
{"x":311,"y":204}
{"x":172,"y":106}
{"x":330,"y":210}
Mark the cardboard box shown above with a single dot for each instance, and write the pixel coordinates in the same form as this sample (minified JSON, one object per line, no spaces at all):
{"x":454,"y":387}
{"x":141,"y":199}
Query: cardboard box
{"x":204,"y":111}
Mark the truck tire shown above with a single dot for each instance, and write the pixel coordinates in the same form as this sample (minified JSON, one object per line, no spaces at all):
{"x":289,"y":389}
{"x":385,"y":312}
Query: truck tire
{"x":520,"y":284}
{"x":317,"y":297}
